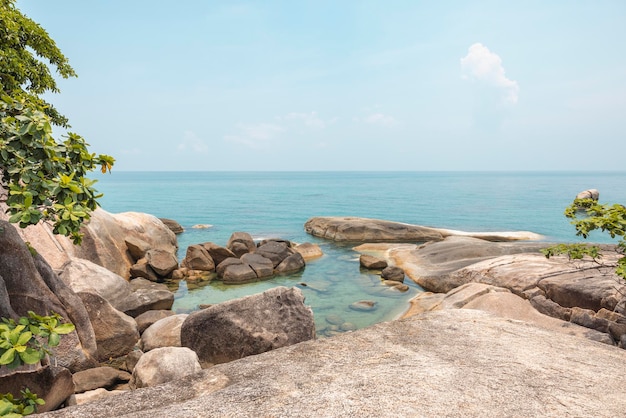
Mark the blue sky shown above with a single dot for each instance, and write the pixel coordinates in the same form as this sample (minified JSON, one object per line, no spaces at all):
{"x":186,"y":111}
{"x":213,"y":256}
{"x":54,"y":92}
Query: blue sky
{"x":345,"y":85}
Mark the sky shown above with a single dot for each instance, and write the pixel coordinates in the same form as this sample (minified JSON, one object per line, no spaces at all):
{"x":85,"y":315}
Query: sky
{"x":344,"y":85}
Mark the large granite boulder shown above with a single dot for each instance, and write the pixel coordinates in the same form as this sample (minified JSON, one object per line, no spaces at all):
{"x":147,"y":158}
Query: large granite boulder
{"x":28,"y":283}
{"x":116,"y":333}
{"x":99,"y":377}
{"x":163,"y":333}
{"x":173,"y":225}
{"x":198,"y":258}
{"x":163,"y":365}
{"x":150,"y":317}
{"x":456,"y":362}
{"x":500,"y":302}
{"x":309,"y":251}
{"x":51,"y":383}
{"x":104,"y":241}
{"x":263,"y":267}
{"x":276,"y":251}
{"x":292,"y":264}
{"x":240,"y":243}
{"x":351,"y":229}
{"x":218,"y":253}
{"x":146,"y":296}
{"x":250,"y":325}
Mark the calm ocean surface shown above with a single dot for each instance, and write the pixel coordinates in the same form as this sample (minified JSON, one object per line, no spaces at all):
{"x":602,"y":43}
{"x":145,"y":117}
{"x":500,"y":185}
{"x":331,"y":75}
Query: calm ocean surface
{"x":277,"y":204}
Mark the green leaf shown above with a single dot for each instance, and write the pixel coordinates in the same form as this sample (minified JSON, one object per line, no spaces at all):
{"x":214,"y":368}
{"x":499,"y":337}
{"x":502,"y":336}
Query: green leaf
{"x":7,"y":357}
{"x":30,"y":356}
{"x":64,"y":328}
{"x":53,"y":339}
{"x":24,"y":338}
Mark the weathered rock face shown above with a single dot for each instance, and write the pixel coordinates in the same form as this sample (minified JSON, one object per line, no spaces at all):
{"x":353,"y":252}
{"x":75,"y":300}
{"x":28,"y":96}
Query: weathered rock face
{"x":309,"y":251}
{"x":198,"y":258}
{"x":99,"y":377}
{"x":218,"y":253}
{"x":589,"y":194}
{"x":116,"y":332}
{"x":163,"y":365}
{"x":393,"y":273}
{"x":263,"y":267}
{"x":276,"y":251}
{"x":241,"y":243}
{"x":247,"y":326}
{"x":150,"y":317}
{"x":500,"y":302}
{"x":104,"y":241}
{"x":372,"y":263}
{"x":464,"y":356}
{"x":147,"y":296}
{"x":293,"y":263}
{"x":163,"y":333}
{"x":51,"y":383}
{"x":351,"y":229}
{"x":32,"y":285}
{"x":173,"y":225}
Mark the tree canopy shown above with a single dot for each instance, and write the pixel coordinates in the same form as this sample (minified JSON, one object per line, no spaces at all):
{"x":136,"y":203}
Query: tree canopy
{"x":588,"y":215}
{"x":45,"y":179}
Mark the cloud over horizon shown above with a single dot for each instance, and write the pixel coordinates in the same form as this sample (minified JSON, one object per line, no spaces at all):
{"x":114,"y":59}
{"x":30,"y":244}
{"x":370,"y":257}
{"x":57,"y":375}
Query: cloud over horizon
{"x":484,"y":66}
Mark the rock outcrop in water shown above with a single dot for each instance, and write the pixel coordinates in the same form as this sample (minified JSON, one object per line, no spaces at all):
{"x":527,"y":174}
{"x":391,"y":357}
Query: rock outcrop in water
{"x":351,"y":229}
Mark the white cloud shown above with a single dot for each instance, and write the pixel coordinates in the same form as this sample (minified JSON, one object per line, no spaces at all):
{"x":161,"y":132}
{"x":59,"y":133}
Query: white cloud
{"x":380,"y":120}
{"x":191,"y":142}
{"x":482,"y":65}
{"x":311,"y":119}
{"x":257,"y":136}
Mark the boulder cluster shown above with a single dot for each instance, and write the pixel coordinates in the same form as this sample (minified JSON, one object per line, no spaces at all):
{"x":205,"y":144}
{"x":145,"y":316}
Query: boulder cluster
{"x":243,"y":261}
{"x":126,"y":335}
{"x":391,"y":276}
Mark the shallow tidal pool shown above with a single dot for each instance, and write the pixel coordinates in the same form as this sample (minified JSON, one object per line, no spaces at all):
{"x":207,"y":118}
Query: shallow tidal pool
{"x":330,"y":284}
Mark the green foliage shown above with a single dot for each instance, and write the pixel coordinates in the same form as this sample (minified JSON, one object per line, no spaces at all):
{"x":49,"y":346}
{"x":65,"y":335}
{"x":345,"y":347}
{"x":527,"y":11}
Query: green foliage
{"x":11,"y":407}
{"x":588,"y":215}
{"x":45,"y":178}
{"x":27,"y":340}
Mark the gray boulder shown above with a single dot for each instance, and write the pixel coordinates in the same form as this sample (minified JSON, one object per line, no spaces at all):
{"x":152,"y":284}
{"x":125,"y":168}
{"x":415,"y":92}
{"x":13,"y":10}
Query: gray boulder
{"x":250,"y":325}
{"x":51,"y":383}
{"x":150,"y":317}
{"x":162,"y":262}
{"x":393,"y":273}
{"x":142,"y":269}
{"x":276,"y":251}
{"x":146,"y":296}
{"x":263,"y":267}
{"x":221,"y":267}
{"x":163,"y":365}
{"x":589,"y":194}
{"x":173,"y":225}
{"x":309,"y":251}
{"x":116,"y":333}
{"x":240,"y":243}
{"x":163,"y":333}
{"x":291,"y":264}
{"x":218,"y":253}
{"x":99,"y":377}
{"x":198,"y":258}
{"x":137,"y":247}
{"x":352,"y":229}
{"x":372,"y":263}
{"x":238,"y":274}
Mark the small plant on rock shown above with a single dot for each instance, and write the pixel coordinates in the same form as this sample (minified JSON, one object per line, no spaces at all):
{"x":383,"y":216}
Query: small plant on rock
{"x":11,"y":407}
{"x":588,"y":215}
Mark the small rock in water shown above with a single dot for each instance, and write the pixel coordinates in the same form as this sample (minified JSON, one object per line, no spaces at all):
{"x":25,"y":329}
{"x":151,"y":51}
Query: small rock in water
{"x":335,"y":319}
{"x":363,"y":305}
{"x":202,"y":226}
{"x":348,"y":326}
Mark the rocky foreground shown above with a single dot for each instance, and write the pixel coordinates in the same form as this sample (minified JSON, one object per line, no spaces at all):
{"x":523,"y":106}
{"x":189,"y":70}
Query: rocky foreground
{"x":452,"y":363}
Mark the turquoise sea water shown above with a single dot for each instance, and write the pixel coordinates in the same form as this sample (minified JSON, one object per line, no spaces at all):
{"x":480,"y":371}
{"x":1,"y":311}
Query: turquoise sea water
{"x":277,"y":204}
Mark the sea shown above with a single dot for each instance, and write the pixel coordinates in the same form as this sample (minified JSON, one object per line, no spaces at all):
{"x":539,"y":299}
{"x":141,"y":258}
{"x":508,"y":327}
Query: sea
{"x":213,"y":205}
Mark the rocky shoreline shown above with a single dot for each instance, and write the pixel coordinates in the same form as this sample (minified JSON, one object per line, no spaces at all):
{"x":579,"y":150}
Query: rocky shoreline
{"x":127,"y":338}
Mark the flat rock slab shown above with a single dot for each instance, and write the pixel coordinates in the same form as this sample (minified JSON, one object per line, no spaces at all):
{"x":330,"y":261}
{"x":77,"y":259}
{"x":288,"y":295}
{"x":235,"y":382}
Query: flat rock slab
{"x":451,"y":363}
{"x":353,"y":229}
